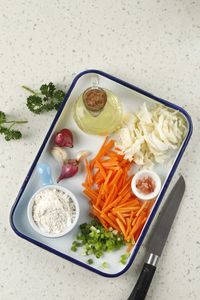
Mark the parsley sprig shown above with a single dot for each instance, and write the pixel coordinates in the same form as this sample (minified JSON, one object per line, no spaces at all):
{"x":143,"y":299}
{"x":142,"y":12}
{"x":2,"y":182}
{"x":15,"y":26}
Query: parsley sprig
{"x":6,"y":130}
{"x":46,"y":99}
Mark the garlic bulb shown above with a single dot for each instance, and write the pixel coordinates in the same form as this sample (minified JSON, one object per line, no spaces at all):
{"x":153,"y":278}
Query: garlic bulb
{"x":59,"y":154}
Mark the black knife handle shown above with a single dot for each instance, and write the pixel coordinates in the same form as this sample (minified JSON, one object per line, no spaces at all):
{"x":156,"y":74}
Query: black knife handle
{"x":143,"y":283}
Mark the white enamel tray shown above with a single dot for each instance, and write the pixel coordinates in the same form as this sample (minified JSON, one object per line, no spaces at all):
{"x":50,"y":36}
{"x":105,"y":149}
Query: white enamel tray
{"x":131,"y":98}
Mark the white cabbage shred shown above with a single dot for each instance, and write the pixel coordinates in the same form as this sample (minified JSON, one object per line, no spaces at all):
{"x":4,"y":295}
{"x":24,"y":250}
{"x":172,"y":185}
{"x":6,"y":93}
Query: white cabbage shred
{"x":151,"y":135}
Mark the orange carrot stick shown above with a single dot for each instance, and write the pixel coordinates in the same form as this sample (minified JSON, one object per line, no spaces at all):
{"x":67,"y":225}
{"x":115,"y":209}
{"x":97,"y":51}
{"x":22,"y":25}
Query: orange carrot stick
{"x":121,"y":217}
{"x":130,"y":247}
{"x":131,"y":203}
{"x":99,"y":196}
{"x":126,"y":185}
{"x":110,"y":196}
{"x":141,"y":208}
{"x":121,"y":226}
{"x":101,"y":169}
{"x":113,"y":218}
{"x":99,"y":154}
{"x":108,"y":177}
{"x":117,"y":176}
{"x":136,"y":225}
{"x":125,"y":198}
{"x":129,"y":225}
{"x":90,"y":195}
{"x":109,"y":221}
{"x":89,"y":174}
{"x":115,"y":202}
{"x":126,"y":209}
{"x":99,"y":181}
{"x":104,"y":148}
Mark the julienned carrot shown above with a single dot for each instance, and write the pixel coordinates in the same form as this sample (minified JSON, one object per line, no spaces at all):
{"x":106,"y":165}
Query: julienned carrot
{"x":108,"y":220}
{"x":113,"y":218}
{"x":125,"y":198}
{"x":141,"y":209}
{"x":117,"y":176}
{"x":114,"y":203}
{"x":129,"y":202}
{"x":99,"y":196}
{"x":127,"y":185}
{"x":121,"y":180}
{"x":108,"y":177}
{"x":89,"y":174}
{"x":104,"y":148}
{"x":130,"y":246}
{"x":92,"y":196}
{"x":121,"y":226}
{"x":101,"y":169}
{"x":126,"y":209}
{"x":137,"y":225}
{"x":110,"y":163}
{"x":97,"y":176}
{"x":108,"y":186}
{"x":121,"y":217}
{"x":129,"y":224}
{"x":115,"y":154}
{"x":112,"y":196}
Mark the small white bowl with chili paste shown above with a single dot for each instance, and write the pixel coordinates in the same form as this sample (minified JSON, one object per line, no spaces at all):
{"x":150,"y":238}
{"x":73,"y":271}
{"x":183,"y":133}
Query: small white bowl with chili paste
{"x":146,"y":185}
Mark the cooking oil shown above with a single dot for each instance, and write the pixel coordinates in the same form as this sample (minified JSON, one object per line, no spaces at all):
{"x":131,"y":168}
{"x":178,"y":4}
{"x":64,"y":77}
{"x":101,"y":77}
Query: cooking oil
{"x":102,"y":121}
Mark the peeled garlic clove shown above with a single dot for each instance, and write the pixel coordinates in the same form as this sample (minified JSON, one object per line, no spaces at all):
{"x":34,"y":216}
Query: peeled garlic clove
{"x":81,"y":155}
{"x":59,"y":154}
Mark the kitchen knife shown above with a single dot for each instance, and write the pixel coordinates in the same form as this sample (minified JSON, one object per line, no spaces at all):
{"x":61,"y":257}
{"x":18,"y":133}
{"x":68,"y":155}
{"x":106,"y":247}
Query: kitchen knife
{"x":158,"y":239}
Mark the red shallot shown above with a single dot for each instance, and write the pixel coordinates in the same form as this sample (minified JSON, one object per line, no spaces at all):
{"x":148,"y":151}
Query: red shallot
{"x":69,"y":169}
{"x":64,"y":138}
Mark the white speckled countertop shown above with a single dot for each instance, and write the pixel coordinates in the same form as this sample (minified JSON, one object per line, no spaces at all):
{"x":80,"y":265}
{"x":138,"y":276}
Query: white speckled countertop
{"x":153,"y":44}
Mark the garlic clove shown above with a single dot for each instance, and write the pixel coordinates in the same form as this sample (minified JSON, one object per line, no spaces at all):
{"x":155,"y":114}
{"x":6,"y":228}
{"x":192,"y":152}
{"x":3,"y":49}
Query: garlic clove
{"x":81,"y":155}
{"x":59,"y":154}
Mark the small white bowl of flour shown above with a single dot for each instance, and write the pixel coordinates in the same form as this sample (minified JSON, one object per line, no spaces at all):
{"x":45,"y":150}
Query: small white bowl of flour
{"x":53,"y":211}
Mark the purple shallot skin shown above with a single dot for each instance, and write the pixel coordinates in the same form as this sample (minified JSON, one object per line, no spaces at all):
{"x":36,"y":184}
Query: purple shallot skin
{"x":69,"y":169}
{"x":64,"y":138}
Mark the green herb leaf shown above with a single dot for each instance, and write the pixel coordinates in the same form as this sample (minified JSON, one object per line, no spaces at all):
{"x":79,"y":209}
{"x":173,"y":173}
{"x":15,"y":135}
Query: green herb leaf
{"x":2,"y":117}
{"x":34,"y":103}
{"x":49,"y":98}
{"x":9,"y":134}
{"x":47,"y":89}
{"x":59,"y":96}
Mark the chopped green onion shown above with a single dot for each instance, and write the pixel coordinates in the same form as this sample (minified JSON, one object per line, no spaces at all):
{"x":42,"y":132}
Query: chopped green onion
{"x":104,"y":265}
{"x":123,"y":258}
{"x":95,"y":239}
{"x":90,"y":261}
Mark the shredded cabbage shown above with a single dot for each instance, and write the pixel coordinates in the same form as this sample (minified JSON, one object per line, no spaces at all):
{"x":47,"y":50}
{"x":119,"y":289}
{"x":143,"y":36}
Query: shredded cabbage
{"x":151,"y":135}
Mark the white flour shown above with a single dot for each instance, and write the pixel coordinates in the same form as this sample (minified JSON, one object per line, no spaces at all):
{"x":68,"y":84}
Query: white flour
{"x":53,"y":210}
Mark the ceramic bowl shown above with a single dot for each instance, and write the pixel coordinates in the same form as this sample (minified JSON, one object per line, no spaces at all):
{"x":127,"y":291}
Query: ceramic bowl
{"x":30,"y":209}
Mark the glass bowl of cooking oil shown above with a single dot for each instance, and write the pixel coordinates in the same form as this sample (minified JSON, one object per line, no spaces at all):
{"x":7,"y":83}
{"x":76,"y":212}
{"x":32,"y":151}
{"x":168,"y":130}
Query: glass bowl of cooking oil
{"x":98,"y":111}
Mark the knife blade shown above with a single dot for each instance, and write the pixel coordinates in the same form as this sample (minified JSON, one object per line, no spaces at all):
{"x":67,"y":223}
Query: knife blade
{"x":158,"y":239}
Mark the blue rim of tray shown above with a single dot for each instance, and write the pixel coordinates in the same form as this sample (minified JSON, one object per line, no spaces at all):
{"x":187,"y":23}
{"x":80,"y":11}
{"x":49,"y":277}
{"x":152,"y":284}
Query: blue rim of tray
{"x":157,"y":203}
